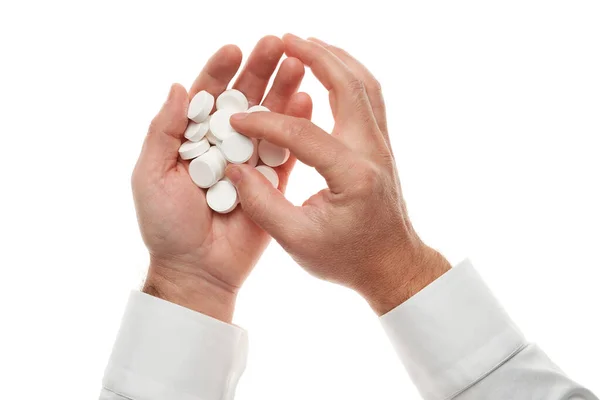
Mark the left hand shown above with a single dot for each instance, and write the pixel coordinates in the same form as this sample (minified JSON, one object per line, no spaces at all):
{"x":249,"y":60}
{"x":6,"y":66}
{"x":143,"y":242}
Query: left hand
{"x":199,"y":259}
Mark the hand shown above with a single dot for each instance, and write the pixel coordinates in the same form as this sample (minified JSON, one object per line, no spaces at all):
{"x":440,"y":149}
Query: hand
{"x":357,"y":231}
{"x":198,"y":258}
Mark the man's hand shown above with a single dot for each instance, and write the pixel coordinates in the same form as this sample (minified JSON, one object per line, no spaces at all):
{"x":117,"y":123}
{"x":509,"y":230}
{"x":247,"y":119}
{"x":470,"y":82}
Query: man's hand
{"x":199,"y":259}
{"x":357,"y":231}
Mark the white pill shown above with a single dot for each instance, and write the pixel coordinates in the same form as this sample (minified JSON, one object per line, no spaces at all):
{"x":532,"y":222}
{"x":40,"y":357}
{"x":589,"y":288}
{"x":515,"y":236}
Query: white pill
{"x":232,"y":100}
{"x":201,"y":106}
{"x":189,"y":149}
{"x":219,"y":124}
{"x":222,"y":197}
{"x":270,"y":174}
{"x":253,"y":161}
{"x":211,"y":138}
{"x":208,"y":169}
{"x":271,"y":154}
{"x":196,"y":131}
{"x":258,"y":108}
{"x":237,"y":148}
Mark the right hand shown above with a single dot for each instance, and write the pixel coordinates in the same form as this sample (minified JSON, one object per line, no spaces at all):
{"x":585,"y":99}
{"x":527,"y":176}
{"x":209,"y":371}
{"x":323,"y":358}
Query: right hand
{"x":356,"y":232}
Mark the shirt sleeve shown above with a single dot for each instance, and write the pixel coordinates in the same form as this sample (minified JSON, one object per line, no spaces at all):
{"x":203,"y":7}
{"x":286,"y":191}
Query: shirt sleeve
{"x":167,"y":352}
{"x":457,"y":342}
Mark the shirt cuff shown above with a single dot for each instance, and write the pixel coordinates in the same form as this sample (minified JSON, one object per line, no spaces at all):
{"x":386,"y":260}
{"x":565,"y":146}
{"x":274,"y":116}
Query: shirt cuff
{"x":165,"y":351}
{"x":452,"y":333}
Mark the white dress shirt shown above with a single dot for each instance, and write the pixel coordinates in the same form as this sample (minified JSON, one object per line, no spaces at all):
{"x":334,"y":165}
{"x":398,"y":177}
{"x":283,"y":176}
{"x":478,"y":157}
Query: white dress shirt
{"x":453,"y":337}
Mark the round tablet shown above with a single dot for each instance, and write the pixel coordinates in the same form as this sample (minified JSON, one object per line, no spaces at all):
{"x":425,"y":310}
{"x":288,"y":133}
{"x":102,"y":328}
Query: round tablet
{"x":189,"y":149}
{"x":222,"y":197}
{"x":211,"y":138}
{"x":196,"y":131}
{"x":201,"y":106}
{"x":271,"y":154}
{"x":237,"y":148}
{"x":253,"y":161}
{"x":208,"y":169}
{"x":219,"y":124}
{"x":258,"y":108}
{"x":232,"y":100}
{"x":270,"y":174}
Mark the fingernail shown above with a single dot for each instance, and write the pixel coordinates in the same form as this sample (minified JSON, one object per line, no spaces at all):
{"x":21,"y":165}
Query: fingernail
{"x":234,"y":174}
{"x":239,"y":116}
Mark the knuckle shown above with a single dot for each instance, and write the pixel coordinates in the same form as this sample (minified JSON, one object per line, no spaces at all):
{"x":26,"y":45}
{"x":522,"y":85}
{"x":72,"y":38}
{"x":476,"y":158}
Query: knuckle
{"x":374,"y":86}
{"x":387,"y":158}
{"x":155,"y":125}
{"x":355,"y":85}
{"x":255,"y":207}
{"x":298,"y":129}
{"x":368,"y":179}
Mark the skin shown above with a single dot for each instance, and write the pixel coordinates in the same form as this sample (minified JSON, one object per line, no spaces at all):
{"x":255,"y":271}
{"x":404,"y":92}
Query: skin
{"x":357,"y":232}
{"x":199,"y":259}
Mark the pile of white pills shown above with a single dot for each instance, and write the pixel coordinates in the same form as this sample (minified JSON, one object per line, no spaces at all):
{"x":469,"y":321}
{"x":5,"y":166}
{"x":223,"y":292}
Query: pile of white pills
{"x":212,"y":143}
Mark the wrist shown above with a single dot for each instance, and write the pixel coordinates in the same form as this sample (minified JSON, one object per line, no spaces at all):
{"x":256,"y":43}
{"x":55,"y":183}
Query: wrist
{"x":404,"y":275}
{"x":191,"y":290}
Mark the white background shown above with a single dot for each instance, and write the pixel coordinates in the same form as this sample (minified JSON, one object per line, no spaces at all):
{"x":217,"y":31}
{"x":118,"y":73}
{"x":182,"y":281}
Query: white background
{"x":494,"y":115}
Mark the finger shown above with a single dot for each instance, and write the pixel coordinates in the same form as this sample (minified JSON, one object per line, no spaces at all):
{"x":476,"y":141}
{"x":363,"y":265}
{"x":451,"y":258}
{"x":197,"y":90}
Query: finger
{"x":300,"y":105}
{"x":162,"y":142}
{"x":218,"y":71}
{"x":286,"y":83}
{"x":372,"y":86}
{"x":350,"y":104}
{"x":255,"y":76}
{"x":309,"y":143}
{"x":264,"y":204}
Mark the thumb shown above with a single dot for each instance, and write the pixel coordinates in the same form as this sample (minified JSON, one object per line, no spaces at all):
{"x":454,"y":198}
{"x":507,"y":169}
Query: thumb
{"x":162,"y":142}
{"x":264,"y":204}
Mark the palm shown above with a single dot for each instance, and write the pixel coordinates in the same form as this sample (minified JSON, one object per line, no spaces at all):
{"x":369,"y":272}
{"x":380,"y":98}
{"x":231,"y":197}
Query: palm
{"x":179,"y":229}
{"x":231,"y":240}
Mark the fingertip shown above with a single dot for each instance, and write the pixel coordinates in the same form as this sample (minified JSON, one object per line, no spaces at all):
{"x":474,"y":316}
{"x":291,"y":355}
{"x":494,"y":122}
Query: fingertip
{"x":292,"y":72}
{"x":290,"y":38}
{"x":234,"y":172}
{"x":288,"y":79}
{"x":172,"y":118}
{"x":293,"y":66}
{"x":249,"y":124}
{"x":231,"y":52}
{"x":302,"y":49}
{"x":293,"y":44}
{"x":272,"y":43}
{"x":239,"y":116}
{"x":225,"y":62}
{"x":263,"y":203}
{"x":300,"y":105}
{"x":177,"y":93}
{"x":239,"y":122}
{"x":266,"y":53}
{"x":303,"y":98}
